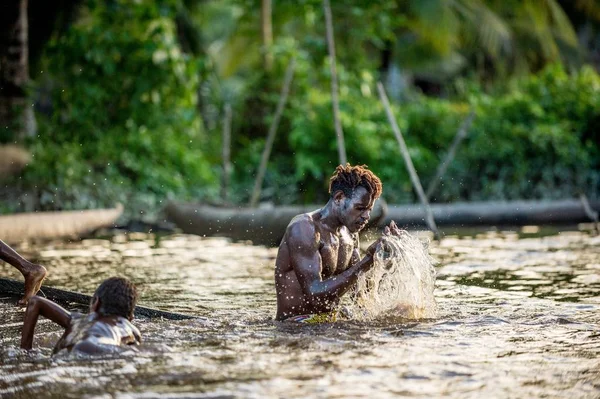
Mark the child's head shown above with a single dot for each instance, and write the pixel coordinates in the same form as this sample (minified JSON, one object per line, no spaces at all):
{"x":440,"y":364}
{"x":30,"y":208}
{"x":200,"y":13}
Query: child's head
{"x":115,"y":296}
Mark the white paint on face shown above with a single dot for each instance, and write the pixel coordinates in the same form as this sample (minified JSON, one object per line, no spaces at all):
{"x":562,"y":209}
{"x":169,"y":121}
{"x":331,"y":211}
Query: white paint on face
{"x":356,"y":210}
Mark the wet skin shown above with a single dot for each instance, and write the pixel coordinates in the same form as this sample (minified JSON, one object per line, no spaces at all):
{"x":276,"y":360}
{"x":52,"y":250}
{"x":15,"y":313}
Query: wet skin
{"x":38,"y":306}
{"x":34,"y":274}
{"x":318,"y":258}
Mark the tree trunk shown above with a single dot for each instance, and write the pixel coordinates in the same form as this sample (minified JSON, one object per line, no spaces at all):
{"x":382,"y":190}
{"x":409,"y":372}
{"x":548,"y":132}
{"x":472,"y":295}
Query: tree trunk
{"x":226,"y":153}
{"x":334,"y":84}
{"x":16,"y":115}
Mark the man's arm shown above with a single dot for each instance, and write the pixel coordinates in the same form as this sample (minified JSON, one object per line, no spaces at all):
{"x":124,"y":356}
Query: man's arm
{"x":40,"y":306}
{"x":307,"y":263}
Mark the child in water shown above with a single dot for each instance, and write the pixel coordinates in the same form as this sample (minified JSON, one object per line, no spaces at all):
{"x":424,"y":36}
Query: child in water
{"x":104,"y":330}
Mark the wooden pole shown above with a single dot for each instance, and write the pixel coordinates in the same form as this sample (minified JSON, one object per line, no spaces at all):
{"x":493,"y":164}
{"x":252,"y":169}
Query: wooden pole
{"x":334,"y":85}
{"x":409,"y":165}
{"x":226,"y":152}
{"x":460,"y":136}
{"x":289,"y":74}
{"x":267,"y":33}
{"x":593,"y":215}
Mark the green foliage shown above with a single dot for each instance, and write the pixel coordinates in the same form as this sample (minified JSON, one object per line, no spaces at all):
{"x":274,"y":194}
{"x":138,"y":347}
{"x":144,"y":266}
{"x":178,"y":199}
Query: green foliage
{"x":124,"y":125}
{"x":127,"y":117}
{"x":536,"y":139}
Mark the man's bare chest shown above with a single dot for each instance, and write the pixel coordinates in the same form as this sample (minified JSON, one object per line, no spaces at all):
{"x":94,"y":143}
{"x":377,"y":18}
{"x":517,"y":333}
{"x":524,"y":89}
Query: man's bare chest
{"x":336,"y":252}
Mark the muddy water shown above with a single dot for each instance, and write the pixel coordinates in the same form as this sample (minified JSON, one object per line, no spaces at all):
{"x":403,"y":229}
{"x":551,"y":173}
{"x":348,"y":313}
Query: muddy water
{"x":517,"y":317}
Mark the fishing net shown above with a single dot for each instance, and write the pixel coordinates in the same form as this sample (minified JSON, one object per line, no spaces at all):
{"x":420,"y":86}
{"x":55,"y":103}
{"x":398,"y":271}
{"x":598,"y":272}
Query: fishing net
{"x":400,"y":284}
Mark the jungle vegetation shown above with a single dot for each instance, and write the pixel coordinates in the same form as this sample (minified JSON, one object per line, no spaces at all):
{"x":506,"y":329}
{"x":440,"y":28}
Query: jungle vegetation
{"x":125,"y":101}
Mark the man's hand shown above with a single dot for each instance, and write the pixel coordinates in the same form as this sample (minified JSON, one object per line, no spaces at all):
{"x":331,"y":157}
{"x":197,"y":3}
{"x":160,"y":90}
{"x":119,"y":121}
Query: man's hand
{"x":389,"y":251}
{"x":375,"y":247}
{"x":388,"y":231}
{"x":393,"y":230}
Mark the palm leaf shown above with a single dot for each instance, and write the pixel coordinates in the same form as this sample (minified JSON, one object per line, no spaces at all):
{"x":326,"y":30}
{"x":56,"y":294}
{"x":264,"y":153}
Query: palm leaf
{"x":561,"y":24}
{"x":493,"y":33}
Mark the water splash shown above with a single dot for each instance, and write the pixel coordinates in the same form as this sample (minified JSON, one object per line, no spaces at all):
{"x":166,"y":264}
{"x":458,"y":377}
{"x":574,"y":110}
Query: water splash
{"x":400,"y":284}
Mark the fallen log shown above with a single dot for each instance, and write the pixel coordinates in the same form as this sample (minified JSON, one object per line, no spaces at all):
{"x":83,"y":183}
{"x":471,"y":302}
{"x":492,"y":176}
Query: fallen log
{"x":512,"y":213}
{"x":264,"y":226}
{"x":15,"y":288}
{"x":49,"y":225}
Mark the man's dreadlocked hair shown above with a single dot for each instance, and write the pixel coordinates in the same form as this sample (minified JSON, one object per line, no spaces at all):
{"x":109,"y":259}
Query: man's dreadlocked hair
{"x":348,"y":178}
{"x":117,"y":296}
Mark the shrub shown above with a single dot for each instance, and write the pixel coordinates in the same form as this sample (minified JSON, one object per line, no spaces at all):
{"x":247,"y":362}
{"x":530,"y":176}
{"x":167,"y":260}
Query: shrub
{"x":122,"y":125}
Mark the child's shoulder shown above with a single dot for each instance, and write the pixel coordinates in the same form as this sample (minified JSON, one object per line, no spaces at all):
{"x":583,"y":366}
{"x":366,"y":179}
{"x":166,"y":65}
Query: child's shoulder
{"x":124,"y":328}
{"x":79,"y":320}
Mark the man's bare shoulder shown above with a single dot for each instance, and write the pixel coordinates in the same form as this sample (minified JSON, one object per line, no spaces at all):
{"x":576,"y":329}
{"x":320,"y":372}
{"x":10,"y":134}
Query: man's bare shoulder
{"x":302,"y":229}
{"x":302,"y":219}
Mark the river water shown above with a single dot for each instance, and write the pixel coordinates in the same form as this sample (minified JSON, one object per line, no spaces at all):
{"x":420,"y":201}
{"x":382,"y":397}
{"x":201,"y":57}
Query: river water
{"x":518,"y":317}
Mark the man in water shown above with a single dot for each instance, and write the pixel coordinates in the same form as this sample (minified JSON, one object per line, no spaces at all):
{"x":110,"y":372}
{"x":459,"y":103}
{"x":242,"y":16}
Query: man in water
{"x":318,"y":258}
{"x":106,"y":329}
{"x":33,"y":274}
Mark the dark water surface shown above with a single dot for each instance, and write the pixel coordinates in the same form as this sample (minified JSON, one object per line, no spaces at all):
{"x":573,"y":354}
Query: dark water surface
{"x":518,"y":317}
